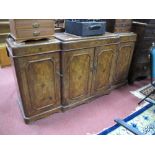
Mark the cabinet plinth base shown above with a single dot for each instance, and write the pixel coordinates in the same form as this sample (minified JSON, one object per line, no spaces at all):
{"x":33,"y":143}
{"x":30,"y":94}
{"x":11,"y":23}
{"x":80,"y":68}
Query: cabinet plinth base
{"x":30,"y":119}
{"x":120,"y":84}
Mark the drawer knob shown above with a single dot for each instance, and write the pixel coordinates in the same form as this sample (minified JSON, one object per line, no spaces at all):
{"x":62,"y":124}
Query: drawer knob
{"x":36,"y":33}
{"x":145,"y":67}
{"x":35,"y":25}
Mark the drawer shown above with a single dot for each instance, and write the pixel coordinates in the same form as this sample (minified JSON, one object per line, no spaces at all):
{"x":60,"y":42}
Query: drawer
{"x":34,"y":33}
{"x":152,"y":21}
{"x":123,"y":24}
{"x":141,"y":58}
{"x":150,"y":39}
{"x":142,"y":68}
{"x":144,"y":45}
{"x":127,"y":21}
{"x":33,"y":23}
{"x":122,"y":29}
{"x":149,"y":32}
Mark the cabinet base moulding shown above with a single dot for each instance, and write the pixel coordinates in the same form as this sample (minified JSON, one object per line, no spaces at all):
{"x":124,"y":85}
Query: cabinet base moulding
{"x":119,"y":84}
{"x":33,"y":118}
{"x":85,"y":101}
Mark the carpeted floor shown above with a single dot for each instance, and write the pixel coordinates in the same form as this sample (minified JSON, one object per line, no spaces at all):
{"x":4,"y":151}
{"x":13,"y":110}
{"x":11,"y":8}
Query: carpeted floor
{"x":88,"y":118}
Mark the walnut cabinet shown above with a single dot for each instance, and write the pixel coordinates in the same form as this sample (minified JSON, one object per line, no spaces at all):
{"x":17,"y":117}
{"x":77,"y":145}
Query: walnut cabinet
{"x":57,"y":74}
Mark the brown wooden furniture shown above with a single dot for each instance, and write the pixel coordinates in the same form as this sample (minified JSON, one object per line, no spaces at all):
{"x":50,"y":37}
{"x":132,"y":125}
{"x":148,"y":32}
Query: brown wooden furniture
{"x":119,"y":25}
{"x":27,"y":29}
{"x":37,"y":66}
{"x":4,"y":30}
{"x":4,"y":59}
{"x":140,"y":66}
{"x":87,"y":66}
{"x":3,"y":37}
{"x":55,"y":75}
{"x":4,"y":27}
{"x":123,"y":59}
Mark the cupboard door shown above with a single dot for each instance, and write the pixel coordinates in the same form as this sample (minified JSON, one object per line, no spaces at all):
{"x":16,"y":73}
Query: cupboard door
{"x":123,"y":61}
{"x":39,"y":82}
{"x":77,"y":75}
{"x":103,"y":68}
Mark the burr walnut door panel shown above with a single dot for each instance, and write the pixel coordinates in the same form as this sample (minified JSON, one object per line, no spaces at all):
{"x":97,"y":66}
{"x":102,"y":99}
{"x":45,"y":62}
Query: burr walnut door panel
{"x":77,"y":75}
{"x":103,"y":68}
{"x":40,"y":83}
{"x":123,"y":61}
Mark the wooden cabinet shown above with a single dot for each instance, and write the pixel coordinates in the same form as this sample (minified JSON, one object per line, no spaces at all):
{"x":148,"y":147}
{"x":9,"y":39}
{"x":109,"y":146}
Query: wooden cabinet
{"x":37,"y":77}
{"x":87,"y":66}
{"x":123,"y":59}
{"x":57,"y":74}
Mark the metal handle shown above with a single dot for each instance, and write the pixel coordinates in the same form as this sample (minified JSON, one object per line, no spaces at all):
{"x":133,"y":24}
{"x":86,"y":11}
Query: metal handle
{"x":36,"y":33}
{"x":35,"y":25}
{"x":94,"y":27}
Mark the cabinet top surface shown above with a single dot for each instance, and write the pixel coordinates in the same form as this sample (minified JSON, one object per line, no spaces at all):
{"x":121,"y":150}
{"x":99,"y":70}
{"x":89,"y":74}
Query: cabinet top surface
{"x":65,"y":37}
{"x":15,"y":44}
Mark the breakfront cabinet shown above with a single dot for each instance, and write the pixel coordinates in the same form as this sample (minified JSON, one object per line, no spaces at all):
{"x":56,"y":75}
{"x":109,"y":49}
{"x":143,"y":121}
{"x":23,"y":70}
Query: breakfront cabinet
{"x":57,"y":74}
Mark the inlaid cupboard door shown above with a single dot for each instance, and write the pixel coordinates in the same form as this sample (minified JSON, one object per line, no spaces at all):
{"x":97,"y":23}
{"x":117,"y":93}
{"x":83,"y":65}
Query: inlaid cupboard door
{"x":77,"y":67}
{"x":123,"y":61}
{"x":103,"y":68}
{"x":39,"y":82}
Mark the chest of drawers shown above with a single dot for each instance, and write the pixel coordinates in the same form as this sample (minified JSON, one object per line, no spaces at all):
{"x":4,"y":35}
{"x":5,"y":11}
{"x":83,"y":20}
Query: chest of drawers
{"x":28,"y":29}
{"x":119,"y":25}
{"x":140,"y":66}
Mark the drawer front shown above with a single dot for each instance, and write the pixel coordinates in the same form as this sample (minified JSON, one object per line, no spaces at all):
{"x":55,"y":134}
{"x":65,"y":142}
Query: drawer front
{"x":34,"y":23}
{"x":141,"y":57}
{"x":152,"y":21}
{"x":34,"y":33}
{"x":144,"y":44}
{"x":149,"y":32}
{"x":122,"y":29}
{"x":149,"y":39}
{"x":120,"y":21}
{"x":123,"y":25}
{"x":142,"y":68}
